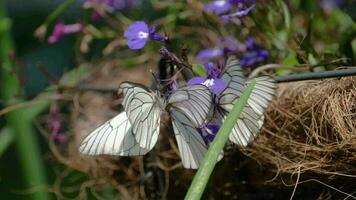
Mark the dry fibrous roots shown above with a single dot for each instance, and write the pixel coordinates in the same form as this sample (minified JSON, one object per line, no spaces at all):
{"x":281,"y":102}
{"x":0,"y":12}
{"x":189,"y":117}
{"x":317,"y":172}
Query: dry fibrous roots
{"x":310,"y":126}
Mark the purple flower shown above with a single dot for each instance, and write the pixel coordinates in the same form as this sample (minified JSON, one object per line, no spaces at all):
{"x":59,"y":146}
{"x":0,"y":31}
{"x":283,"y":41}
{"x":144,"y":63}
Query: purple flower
{"x":60,"y":29}
{"x":234,"y":8}
{"x":253,"y":53}
{"x":210,"y":53}
{"x":218,"y":6}
{"x":208,"y":132}
{"x":239,"y":12}
{"x":138,"y":33}
{"x":212,"y":81}
{"x":225,"y":47}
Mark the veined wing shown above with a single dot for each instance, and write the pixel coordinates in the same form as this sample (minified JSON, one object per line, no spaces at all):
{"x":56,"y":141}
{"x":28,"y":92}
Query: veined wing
{"x":192,"y":147}
{"x":114,"y":137}
{"x":194,"y":101}
{"x":251,"y":119}
{"x":246,"y":127}
{"x":262,"y":94}
{"x":189,"y":107}
{"x":234,"y":80}
{"x":143,"y":111}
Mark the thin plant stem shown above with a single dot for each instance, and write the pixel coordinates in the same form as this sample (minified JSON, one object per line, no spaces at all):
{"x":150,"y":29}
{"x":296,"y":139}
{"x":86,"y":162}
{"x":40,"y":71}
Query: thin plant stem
{"x":201,"y":178}
{"x":27,"y":145}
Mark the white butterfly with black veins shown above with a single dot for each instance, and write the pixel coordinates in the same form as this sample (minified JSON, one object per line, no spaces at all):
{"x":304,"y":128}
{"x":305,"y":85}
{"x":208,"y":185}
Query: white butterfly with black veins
{"x":135,"y":131}
{"x":251,"y":119}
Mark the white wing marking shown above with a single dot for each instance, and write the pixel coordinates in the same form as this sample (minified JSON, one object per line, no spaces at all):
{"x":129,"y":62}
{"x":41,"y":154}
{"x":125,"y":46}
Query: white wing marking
{"x":114,"y":137}
{"x":143,"y":110}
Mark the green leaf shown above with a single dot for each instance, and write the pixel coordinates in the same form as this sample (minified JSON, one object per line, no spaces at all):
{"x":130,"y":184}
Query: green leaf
{"x":286,"y":14}
{"x":199,"y":70}
{"x":290,"y":60}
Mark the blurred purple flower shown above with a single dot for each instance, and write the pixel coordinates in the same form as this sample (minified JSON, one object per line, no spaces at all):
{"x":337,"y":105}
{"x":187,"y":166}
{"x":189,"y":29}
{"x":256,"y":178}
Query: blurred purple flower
{"x":55,"y":125}
{"x":210,"y":53}
{"x":212,"y":81}
{"x":239,"y":12}
{"x":60,"y":29}
{"x":330,"y":4}
{"x":253,"y":53}
{"x":138,"y":33}
{"x":218,"y":6}
{"x":226,"y":46}
{"x":234,"y":8}
{"x":208,"y":132}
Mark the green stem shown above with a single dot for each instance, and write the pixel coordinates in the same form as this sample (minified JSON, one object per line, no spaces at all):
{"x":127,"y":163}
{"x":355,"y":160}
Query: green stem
{"x":7,"y":137}
{"x":202,"y":176}
{"x":26,"y":142}
{"x":59,"y":10}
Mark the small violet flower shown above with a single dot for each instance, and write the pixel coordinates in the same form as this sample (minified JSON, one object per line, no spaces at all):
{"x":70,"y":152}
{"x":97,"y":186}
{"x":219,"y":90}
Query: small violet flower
{"x":60,"y":29}
{"x":212,"y":81}
{"x":208,"y":132}
{"x":253,"y":53}
{"x":138,"y":33}
{"x":229,"y":9}
{"x":226,"y":46}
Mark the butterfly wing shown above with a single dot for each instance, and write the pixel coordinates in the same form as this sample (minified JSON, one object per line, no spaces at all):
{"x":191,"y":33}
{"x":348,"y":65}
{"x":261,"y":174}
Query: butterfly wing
{"x":189,"y":107}
{"x":195,"y":101}
{"x":251,"y":118}
{"x":114,"y":137}
{"x":192,"y":147}
{"x":143,"y":111}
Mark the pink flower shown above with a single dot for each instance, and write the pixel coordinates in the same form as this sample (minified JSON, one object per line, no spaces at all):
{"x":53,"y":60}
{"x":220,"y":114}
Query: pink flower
{"x":60,"y":29}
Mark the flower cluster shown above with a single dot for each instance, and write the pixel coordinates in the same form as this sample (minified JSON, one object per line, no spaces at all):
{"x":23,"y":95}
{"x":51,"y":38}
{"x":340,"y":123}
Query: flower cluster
{"x":253,"y":53}
{"x":250,"y":52}
{"x":138,"y":33}
{"x":229,"y":9}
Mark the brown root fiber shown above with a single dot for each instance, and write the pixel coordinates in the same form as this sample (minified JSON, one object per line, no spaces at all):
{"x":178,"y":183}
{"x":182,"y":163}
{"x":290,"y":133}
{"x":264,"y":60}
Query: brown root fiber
{"x":311,"y":126}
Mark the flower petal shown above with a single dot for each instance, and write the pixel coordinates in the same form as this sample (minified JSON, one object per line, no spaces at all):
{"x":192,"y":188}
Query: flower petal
{"x":239,"y":13}
{"x":197,"y":81}
{"x":137,"y":35}
{"x":213,"y":71}
{"x":218,"y":86}
{"x":210,"y":53}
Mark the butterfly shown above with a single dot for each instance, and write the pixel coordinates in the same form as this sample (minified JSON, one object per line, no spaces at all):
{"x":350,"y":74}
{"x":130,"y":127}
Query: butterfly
{"x":251,"y":119}
{"x":135,"y":131}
